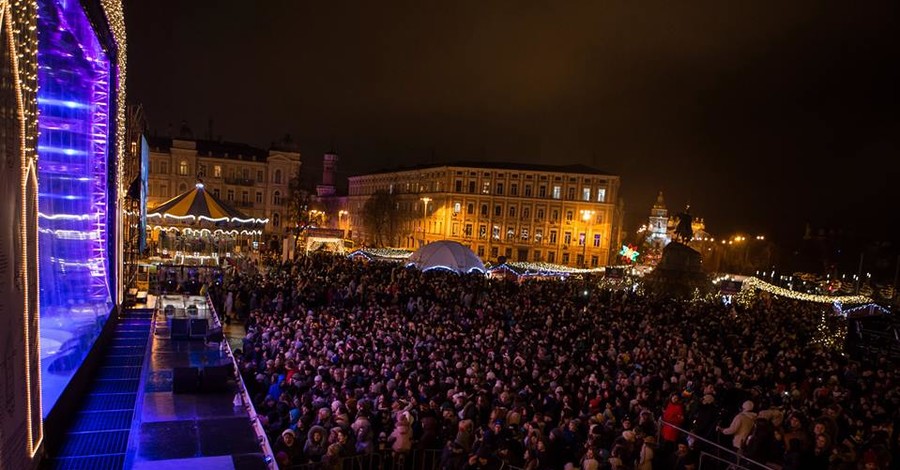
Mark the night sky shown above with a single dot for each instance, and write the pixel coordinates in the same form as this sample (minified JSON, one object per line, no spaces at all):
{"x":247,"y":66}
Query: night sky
{"x":764,"y":116}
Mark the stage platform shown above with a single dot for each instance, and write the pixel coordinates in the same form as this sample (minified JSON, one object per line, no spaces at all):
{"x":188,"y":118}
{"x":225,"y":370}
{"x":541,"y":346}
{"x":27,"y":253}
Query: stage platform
{"x":183,"y":422}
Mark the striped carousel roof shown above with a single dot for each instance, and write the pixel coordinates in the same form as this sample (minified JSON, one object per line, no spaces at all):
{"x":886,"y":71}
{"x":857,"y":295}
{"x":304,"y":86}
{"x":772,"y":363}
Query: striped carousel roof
{"x":197,"y":204}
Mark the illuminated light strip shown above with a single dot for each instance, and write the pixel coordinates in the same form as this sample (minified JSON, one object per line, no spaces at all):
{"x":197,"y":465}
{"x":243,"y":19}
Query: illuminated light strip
{"x":62,"y":150}
{"x":208,"y":219}
{"x":754,"y":282}
{"x":67,"y":216}
{"x":66,"y":103}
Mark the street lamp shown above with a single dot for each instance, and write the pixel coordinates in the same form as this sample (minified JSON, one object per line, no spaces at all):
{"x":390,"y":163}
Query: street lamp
{"x":341,"y":214}
{"x":425,"y":200}
{"x":586,"y":215}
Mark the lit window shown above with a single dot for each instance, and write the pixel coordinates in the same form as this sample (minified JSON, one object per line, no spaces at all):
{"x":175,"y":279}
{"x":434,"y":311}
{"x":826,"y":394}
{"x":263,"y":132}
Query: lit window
{"x":567,"y":238}
{"x":457,"y":207}
{"x":486,"y":187}
{"x":183,"y":169}
{"x":597,"y":239}
{"x":586,"y":194}
{"x":557,"y":192}
{"x":217,"y":171}
{"x":569,"y":215}
{"x":601,"y":195}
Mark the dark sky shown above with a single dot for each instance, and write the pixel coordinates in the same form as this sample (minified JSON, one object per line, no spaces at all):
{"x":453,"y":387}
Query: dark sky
{"x":762,"y":115}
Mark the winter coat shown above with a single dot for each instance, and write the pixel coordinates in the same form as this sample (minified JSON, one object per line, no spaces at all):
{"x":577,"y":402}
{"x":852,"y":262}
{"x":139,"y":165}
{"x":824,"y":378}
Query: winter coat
{"x":741,"y":427}
{"x":314,"y":450}
{"x":673,"y":414}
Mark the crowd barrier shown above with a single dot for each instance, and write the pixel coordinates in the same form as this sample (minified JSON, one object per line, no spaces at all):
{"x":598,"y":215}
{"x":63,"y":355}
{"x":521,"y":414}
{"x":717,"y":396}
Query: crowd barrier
{"x":716,"y":456}
{"x":245,"y":400}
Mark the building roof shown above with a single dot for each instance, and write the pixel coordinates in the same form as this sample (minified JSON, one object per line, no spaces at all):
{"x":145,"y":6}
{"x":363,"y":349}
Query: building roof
{"x":574,"y":168}
{"x":212,"y":148}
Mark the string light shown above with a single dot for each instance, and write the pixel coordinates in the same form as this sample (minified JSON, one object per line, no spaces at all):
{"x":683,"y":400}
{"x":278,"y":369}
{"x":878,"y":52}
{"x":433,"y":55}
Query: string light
{"x":383,"y":253}
{"x":756,"y":283}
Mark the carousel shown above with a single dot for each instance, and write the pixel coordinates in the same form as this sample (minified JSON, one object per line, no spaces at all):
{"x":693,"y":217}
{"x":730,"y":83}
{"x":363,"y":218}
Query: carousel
{"x":198,"y":228}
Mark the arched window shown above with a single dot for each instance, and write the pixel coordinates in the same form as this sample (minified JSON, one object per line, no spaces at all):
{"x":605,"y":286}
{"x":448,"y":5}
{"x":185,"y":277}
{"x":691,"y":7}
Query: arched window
{"x":276,"y":198}
{"x":183,"y":169}
{"x":277,"y":177}
{"x":276,"y":220}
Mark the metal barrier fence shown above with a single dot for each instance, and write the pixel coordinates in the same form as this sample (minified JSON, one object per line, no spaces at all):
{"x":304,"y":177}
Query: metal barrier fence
{"x":244,"y":396}
{"x":417,"y":459}
{"x":717,"y":456}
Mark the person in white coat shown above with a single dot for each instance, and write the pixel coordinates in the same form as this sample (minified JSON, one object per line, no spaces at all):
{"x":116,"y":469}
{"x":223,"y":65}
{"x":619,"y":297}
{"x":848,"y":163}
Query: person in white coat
{"x":741,"y":426}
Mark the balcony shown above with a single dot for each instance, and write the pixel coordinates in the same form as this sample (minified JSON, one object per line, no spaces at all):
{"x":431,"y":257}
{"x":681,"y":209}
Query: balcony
{"x":241,"y":181}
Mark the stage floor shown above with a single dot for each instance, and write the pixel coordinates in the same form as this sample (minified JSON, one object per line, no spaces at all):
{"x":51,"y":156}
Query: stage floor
{"x":189,"y":430}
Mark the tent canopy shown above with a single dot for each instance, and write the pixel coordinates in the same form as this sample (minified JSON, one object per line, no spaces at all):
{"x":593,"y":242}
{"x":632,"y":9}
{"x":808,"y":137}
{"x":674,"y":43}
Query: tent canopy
{"x":446,"y":254}
{"x":197,"y":204}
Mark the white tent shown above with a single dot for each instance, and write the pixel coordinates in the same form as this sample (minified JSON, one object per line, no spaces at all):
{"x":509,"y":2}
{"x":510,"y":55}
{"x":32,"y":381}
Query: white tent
{"x":448,"y":255}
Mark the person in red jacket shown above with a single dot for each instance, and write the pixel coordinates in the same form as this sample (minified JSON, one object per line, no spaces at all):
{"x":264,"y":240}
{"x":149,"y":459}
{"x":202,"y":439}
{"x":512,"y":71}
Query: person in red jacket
{"x":673,"y":414}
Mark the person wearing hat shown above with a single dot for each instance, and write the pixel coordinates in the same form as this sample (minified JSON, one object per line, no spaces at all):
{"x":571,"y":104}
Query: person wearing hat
{"x":741,"y":426}
{"x":287,"y":443}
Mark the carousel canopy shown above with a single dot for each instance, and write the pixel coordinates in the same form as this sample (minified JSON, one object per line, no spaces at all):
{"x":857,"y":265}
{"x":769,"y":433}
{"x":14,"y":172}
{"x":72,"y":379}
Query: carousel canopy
{"x":197,"y":204}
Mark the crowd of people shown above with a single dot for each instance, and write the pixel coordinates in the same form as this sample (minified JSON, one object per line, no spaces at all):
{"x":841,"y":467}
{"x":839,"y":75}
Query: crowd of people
{"x":348,"y":358}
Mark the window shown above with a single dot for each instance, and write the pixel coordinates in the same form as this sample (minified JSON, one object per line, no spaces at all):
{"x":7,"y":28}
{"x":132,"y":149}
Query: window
{"x":570,"y":194}
{"x":500,"y":189}
{"x":526,"y":213}
{"x":551,"y":256}
{"x":527,"y":190}
{"x":514,"y":189}
{"x":512,"y":211}
{"x":569,"y":216}
{"x":498,"y":210}
{"x":567,"y":238}
{"x":581,"y":238}
{"x":508,"y":253}
{"x":597,"y":239}
{"x":484,"y":210}
{"x":455,"y":229}
{"x":183,"y":169}
{"x":216,"y":192}
{"x":276,"y":198}
{"x":482,"y":231}
{"x":468,"y":230}
{"x":164,"y":168}
{"x":245,"y":174}
{"x":230,"y":196}
{"x":524,"y":234}
{"x":494,"y":252}
{"x":495,"y":232}
{"x":594,"y":261}
{"x":217,"y":171}
{"x":277,"y":178}
{"x":259,"y":198}
{"x":470,"y":208}
{"x":557,"y":191}
{"x":164,"y":190}
{"x":485,"y":187}
{"x":585,"y":194}
{"x":201,"y":170}
{"x":565,"y":258}
{"x":601,"y":195}
{"x":510,"y":232}
{"x":481,"y":251}
{"x":245,"y":197}
{"x":276,"y":220}
{"x":259,"y":176}
{"x":457,"y":207}
{"x":540,"y":213}
{"x":579,"y":259}
{"x":471,"y":186}
{"x":537,"y":255}
{"x":554,"y":215}
{"x":458,"y":186}
{"x":553,"y":236}
{"x":538,"y":234}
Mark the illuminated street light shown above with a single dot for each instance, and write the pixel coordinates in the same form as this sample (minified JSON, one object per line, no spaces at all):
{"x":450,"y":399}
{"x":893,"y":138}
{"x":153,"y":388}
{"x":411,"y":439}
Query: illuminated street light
{"x":586,"y":215}
{"x":426,"y":200}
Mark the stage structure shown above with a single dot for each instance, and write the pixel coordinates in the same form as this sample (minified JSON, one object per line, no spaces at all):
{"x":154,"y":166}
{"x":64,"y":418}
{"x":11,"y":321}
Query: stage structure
{"x":197,"y":227}
{"x":61,"y":141}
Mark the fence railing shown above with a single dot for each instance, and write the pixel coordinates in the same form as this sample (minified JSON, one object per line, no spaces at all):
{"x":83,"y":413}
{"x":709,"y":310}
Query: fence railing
{"x":416,"y":459}
{"x":722,"y":454}
{"x":245,"y":397}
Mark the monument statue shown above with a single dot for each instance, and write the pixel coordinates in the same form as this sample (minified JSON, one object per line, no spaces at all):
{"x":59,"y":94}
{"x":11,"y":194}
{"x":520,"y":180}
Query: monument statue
{"x":684,"y":233}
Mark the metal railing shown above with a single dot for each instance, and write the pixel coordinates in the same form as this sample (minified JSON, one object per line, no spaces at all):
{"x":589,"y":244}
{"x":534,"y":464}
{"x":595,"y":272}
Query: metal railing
{"x":245,"y":397}
{"x":416,"y":459}
{"x":724,"y":455}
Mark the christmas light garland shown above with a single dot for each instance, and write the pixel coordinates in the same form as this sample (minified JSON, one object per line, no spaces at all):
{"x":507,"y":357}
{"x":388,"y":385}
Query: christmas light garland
{"x":756,"y":283}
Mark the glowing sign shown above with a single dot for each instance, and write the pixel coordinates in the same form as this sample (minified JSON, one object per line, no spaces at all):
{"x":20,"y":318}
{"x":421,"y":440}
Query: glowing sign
{"x":629,"y":253}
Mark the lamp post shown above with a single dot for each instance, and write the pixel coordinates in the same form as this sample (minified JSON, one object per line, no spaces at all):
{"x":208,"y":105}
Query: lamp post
{"x":586,"y":215}
{"x":341,"y":214}
{"x":425,"y":200}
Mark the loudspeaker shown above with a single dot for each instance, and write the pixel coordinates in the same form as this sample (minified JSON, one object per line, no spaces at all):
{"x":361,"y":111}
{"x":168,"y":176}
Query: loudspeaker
{"x":198,"y":328}
{"x":215,"y":378}
{"x":185,"y":380}
{"x":180,"y":328}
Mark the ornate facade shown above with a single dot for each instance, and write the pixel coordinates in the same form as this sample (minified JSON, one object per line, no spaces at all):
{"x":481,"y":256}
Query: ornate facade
{"x":540,"y":213}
